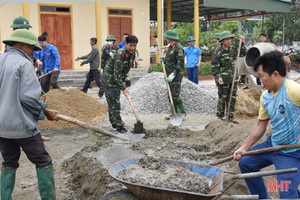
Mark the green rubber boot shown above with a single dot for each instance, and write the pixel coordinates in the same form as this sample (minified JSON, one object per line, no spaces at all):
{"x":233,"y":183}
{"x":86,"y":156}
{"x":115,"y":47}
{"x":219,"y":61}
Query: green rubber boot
{"x":182,"y":110}
{"x":46,"y":182}
{"x":8,"y":177}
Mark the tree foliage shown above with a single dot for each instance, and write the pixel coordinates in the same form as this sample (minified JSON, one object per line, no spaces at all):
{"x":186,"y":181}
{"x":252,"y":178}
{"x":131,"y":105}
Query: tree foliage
{"x":273,"y":27}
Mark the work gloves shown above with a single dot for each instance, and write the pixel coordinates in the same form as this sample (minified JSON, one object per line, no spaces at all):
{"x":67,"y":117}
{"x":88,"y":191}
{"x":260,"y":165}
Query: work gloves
{"x":162,"y":59}
{"x":170,"y":78}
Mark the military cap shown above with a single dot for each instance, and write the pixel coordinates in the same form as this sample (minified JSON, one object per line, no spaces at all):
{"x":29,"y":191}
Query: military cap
{"x":191,"y":39}
{"x":171,"y":34}
{"x":20,"y":23}
{"x":23,"y":36}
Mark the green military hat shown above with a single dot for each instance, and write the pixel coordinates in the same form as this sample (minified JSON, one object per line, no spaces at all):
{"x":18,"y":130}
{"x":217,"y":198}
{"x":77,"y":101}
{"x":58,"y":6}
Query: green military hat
{"x":217,"y":35}
{"x":110,"y":38}
{"x":225,"y":35}
{"x":23,"y":36}
{"x":191,"y":39}
{"x":20,"y":23}
{"x":171,"y":34}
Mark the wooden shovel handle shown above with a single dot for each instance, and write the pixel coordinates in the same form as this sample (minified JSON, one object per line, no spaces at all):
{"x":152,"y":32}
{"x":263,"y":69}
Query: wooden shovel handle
{"x":133,"y":109}
{"x":169,"y":89}
{"x":88,"y":126}
{"x":44,"y":75}
{"x":258,"y":151}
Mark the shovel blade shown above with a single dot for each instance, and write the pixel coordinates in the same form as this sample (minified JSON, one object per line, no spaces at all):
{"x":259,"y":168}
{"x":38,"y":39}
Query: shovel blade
{"x":176,"y":120}
{"x":138,"y":127}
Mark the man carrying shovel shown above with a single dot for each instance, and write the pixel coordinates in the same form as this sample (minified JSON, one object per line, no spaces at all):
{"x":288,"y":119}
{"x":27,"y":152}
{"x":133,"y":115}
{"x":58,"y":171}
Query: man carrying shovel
{"x":280,"y":104}
{"x":107,"y":52}
{"x":223,"y":66}
{"x":21,"y":109}
{"x":113,"y":79}
{"x":174,"y":61}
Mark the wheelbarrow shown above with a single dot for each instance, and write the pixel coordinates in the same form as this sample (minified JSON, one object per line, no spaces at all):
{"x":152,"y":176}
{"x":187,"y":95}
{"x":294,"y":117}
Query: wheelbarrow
{"x":144,"y":192}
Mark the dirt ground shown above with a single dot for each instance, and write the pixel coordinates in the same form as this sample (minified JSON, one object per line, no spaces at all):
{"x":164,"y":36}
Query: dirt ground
{"x":81,"y":159}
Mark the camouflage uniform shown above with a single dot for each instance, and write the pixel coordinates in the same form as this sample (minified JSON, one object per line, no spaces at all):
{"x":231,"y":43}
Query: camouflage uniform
{"x":113,"y":78}
{"x":223,"y":63}
{"x":104,"y":60}
{"x":214,"y":47}
{"x":175,"y":63}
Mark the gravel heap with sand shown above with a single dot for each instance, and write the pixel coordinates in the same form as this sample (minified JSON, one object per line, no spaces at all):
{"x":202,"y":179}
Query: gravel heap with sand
{"x":247,"y":103}
{"x":150,"y":95}
{"x":72,"y":103}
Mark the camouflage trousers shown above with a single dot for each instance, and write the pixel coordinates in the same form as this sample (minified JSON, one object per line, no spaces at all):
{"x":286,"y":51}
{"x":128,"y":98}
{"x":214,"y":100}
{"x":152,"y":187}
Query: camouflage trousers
{"x":224,"y":95}
{"x":175,"y":87}
{"x":112,"y":95}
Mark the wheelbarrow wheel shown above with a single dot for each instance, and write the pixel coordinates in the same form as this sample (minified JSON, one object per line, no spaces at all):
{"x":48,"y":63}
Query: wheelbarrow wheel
{"x":119,"y":194}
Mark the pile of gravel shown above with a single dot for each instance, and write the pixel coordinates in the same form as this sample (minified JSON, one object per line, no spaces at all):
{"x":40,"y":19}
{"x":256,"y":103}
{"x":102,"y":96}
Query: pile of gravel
{"x":150,"y":95}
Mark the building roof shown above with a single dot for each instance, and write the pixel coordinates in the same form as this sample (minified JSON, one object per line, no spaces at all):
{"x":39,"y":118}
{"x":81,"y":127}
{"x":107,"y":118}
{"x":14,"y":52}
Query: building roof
{"x":183,"y":10}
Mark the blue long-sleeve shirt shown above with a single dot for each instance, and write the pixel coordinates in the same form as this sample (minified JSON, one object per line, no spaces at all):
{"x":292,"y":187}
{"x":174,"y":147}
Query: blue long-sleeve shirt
{"x":50,"y":59}
{"x":37,"y":54}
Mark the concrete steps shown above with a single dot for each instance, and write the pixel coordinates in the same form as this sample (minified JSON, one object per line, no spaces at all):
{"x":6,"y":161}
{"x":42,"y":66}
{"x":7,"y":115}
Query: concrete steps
{"x":77,"y":78}
{"x":72,"y":78}
{"x":136,"y":74}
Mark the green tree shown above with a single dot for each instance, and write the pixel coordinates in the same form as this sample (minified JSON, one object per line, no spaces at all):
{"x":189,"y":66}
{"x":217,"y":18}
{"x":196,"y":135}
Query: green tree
{"x":274,"y":22}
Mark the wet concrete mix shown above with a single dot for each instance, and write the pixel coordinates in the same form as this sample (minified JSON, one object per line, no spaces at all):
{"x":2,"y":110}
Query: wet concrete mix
{"x":151,"y":172}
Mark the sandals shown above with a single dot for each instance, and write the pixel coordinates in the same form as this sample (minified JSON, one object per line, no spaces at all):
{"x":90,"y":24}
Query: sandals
{"x":235,"y":121}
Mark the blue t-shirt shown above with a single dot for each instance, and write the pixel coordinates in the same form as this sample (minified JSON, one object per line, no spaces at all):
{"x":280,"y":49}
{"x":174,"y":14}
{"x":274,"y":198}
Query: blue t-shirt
{"x":192,"y":56}
{"x":283,"y":108}
{"x":121,"y":44}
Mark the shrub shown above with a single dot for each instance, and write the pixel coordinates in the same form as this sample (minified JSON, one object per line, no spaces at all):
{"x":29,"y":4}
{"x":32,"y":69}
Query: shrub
{"x":155,"y":68}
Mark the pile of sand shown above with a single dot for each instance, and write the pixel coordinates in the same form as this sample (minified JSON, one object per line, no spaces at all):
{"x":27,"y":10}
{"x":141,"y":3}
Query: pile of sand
{"x":247,"y":103}
{"x":72,"y":103}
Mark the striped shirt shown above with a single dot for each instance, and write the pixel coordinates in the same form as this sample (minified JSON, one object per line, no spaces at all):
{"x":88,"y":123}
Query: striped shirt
{"x":283,"y":108}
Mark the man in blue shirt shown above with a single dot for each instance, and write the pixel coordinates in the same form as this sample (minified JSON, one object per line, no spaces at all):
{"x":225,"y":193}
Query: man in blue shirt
{"x":122,"y":44}
{"x":51,"y":63}
{"x":280,"y":104}
{"x":193,"y":55}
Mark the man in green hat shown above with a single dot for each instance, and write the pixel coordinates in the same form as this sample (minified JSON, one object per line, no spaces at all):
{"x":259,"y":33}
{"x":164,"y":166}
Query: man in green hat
{"x":174,"y":61}
{"x":21,"y":109}
{"x":107,"y":52}
{"x":193,"y":57}
{"x":113,"y":79}
{"x":216,"y":37}
{"x":223,"y":65}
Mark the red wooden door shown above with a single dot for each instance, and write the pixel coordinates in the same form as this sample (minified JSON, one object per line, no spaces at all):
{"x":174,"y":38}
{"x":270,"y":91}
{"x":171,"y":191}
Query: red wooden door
{"x":58,"y":28}
{"x":118,"y":26}
{"x":114,"y":28}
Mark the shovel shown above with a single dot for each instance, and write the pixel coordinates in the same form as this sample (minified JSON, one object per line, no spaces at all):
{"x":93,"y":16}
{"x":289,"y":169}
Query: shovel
{"x":175,"y":119}
{"x":88,"y":126}
{"x":138,"y":126}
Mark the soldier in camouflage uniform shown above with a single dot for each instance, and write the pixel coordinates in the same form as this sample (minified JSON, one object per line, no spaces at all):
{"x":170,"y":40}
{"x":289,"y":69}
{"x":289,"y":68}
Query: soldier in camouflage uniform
{"x":113,"y":79}
{"x":216,"y":37}
{"x":223,"y":64}
{"x":107,"y":52}
{"x":174,"y":61}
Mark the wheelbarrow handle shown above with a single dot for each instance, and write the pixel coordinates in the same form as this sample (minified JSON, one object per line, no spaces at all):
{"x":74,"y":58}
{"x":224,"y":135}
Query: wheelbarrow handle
{"x":264,"y":173}
{"x":248,"y":197}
